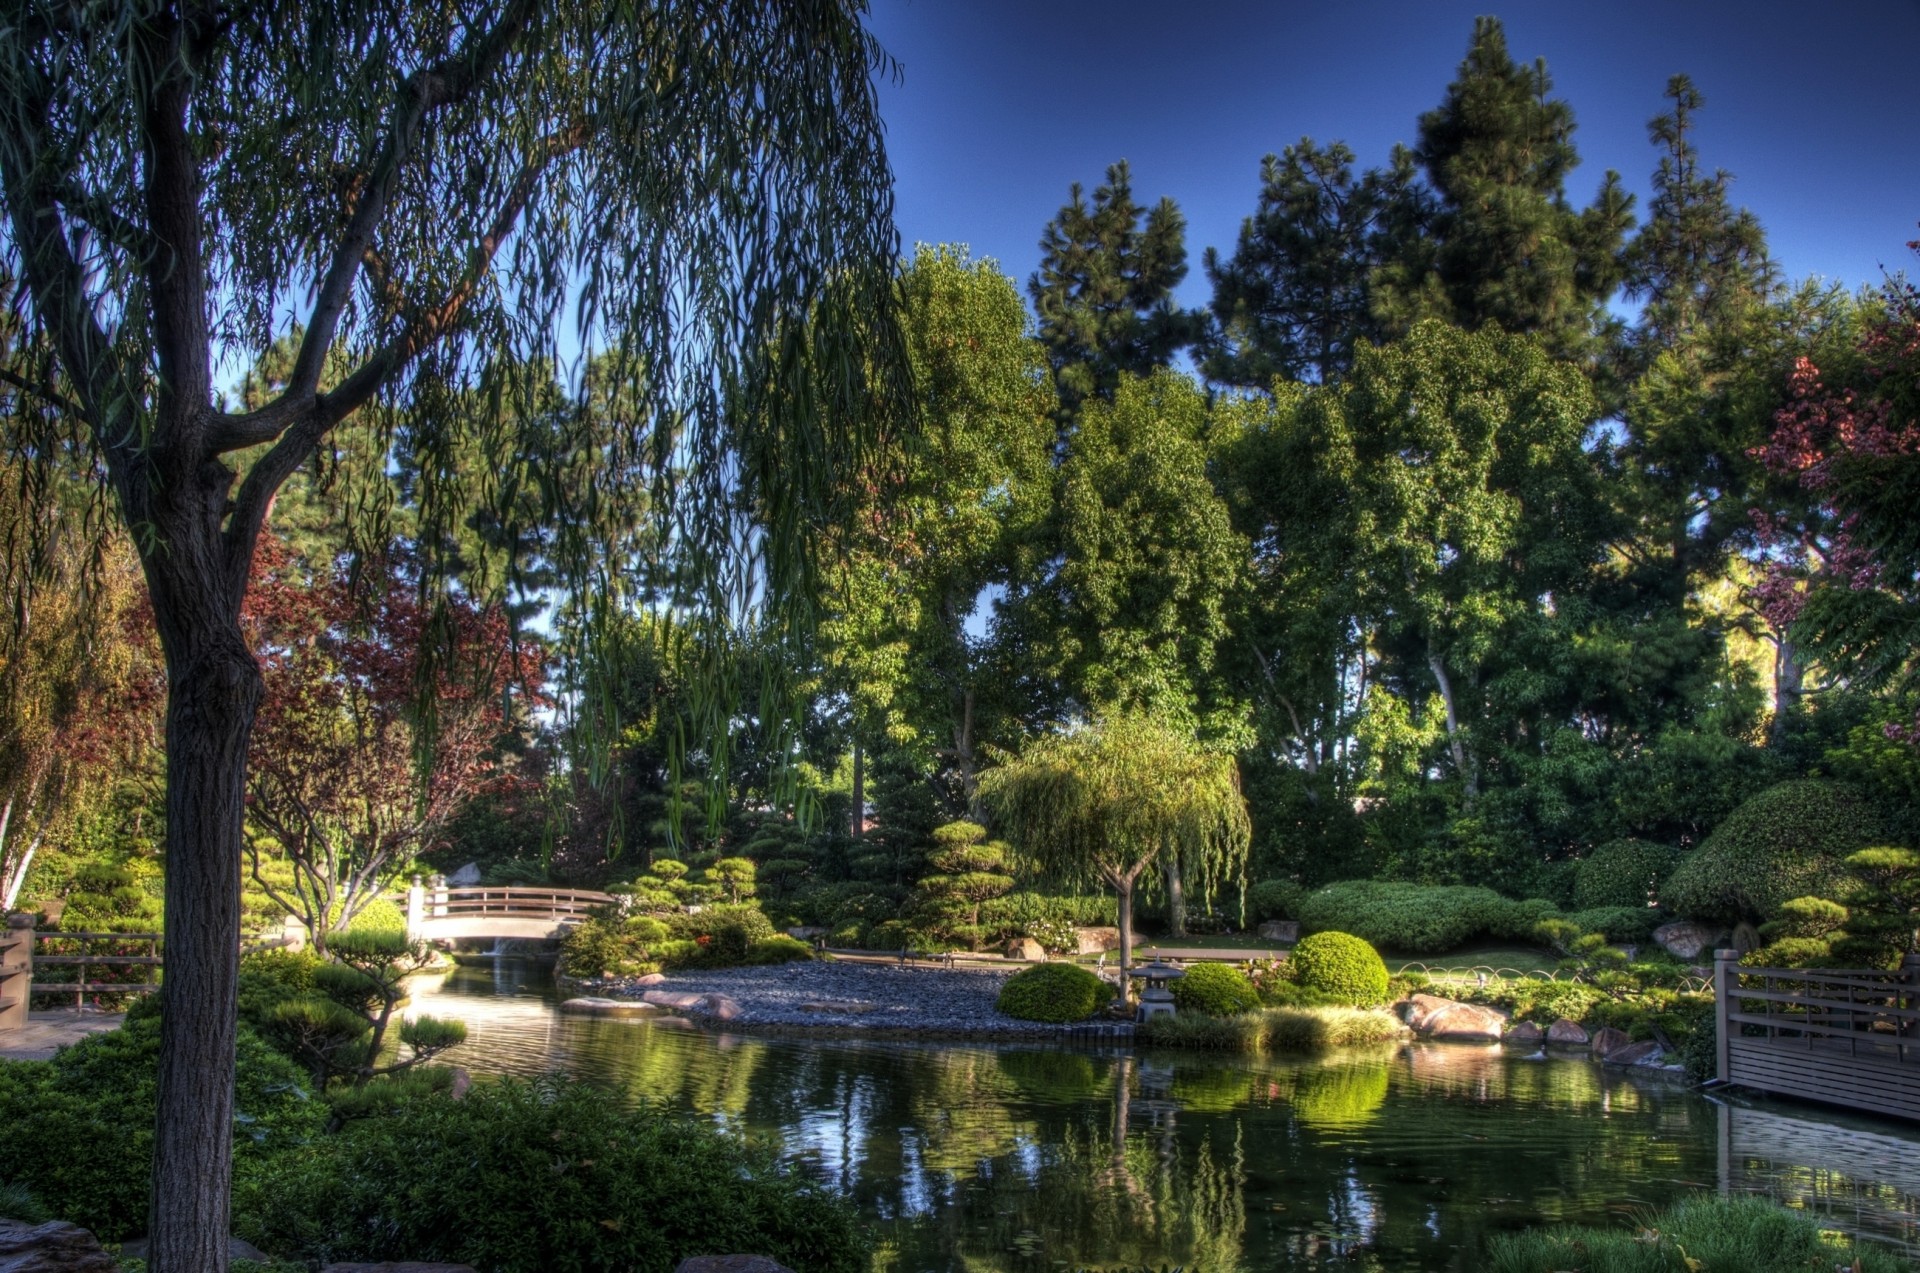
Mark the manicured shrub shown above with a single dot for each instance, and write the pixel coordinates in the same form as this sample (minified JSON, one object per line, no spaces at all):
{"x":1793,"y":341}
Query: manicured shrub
{"x":778,"y":949}
{"x":1623,"y":873}
{"x":1215,"y":989}
{"x":1619,"y":923}
{"x":1417,"y":919}
{"x":1053,"y":992}
{"x":1342,"y":966}
{"x":1273,"y":899}
{"x":851,"y":935}
{"x":617,"y":1188}
{"x":1020,"y":914}
{"x":1789,"y":841}
{"x":79,"y":1128}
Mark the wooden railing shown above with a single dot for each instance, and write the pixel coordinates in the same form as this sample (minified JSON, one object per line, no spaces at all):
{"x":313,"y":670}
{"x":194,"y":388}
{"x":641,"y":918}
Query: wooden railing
{"x":1845,"y":1036}
{"x":427,"y":902}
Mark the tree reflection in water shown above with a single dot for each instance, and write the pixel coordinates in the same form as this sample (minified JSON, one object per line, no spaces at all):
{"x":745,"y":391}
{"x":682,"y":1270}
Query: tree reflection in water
{"x":1024,"y":1160}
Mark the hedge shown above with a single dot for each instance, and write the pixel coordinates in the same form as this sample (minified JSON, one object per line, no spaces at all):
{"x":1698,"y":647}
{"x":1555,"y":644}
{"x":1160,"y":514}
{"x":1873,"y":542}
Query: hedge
{"x":1342,"y":966}
{"x":1789,"y":841}
{"x":1053,"y":992}
{"x":1420,"y":919}
{"x":1623,"y":873}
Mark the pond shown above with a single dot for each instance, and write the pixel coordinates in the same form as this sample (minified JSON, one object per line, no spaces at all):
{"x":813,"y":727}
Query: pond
{"x":1020,"y":1160}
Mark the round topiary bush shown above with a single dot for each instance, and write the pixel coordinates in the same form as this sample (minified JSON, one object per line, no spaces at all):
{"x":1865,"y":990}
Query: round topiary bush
{"x":1622,"y":873}
{"x":1053,"y":992}
{"x":1274,"y":899}
{"x":1789,"y":841}
{"x":1215,"y":989}
{"x":1341,"y":966}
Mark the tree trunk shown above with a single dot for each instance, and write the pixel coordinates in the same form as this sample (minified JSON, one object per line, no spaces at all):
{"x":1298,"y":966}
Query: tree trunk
{"x":1176,"y":896}
{"x":213,"y":690}
{"x":1123,"y":888}
{"x":1468,"y":777}
{"x":859,"y":791}
{"x":1789,"y":683}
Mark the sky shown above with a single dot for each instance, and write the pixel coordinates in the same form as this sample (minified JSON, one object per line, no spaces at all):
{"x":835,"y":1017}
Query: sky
{"x":1000,"y":105}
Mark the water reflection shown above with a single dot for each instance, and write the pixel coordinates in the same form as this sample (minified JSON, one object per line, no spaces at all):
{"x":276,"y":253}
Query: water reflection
{"x":1017,"y":1160}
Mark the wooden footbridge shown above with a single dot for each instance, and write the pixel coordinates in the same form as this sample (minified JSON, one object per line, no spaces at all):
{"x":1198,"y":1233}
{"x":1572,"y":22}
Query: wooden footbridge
{"x":1844,"y":1036}
{"x":436,"y":912}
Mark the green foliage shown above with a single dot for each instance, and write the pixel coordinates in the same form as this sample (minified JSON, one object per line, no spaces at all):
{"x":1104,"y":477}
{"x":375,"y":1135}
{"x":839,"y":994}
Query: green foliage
{"x":1053,"y":992}
{"x":1631,"y":924}
{"x":1415,"y":919}
{"x":1706,"y":1234}
{"x":1341,"y":965}
{"x":1623,"y":873}
{"x":18,"y":1203}
{"x":619,"y":1187}
{"x":736,"y":877}
{"x":1021,"y":914}
{"x":1789,"y":841}
{"x":1282,"y":1029}
{"x":80,"y":1127}
{"x":1215,"y":989}
{"x":1273,"y":899}
{"x":602,"y":945}
{"x":971,"y":871}
{"x":778,"y":949}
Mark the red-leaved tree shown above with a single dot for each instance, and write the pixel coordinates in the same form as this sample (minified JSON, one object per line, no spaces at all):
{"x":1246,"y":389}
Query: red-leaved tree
{"x":379,"y":722}
{"x":1843,"y":572}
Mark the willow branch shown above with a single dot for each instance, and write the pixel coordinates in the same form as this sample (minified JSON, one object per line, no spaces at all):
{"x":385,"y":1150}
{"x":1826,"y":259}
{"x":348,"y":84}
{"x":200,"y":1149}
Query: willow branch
{"x":443,"y":84}
{"x":46,"y":393}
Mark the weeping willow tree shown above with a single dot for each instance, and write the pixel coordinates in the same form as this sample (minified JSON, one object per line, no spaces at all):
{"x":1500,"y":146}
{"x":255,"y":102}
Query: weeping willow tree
{"x":1108,"y":801}
{"x":440,"y":203}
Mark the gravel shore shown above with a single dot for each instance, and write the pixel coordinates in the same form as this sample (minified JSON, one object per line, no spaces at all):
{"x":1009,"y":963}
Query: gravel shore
{"x":877,"y":999}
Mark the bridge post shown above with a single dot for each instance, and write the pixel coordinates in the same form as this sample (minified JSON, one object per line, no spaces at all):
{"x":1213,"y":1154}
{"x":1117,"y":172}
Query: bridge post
{"x":16,"y":969}
{"x":439,"y":883}
{"x":1910,"y":973}
{"x":416,"y":909}
{"x":1726,"y":981}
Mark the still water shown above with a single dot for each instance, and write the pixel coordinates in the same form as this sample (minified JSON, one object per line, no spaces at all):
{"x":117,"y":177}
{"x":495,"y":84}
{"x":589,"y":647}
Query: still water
{"x":1017,"y":1160}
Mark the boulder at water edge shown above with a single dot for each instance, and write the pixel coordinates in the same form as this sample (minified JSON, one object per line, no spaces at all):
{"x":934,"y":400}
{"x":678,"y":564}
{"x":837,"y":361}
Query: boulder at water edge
{"x":1568,"y":1032}
{"x":1524,"y":1032}
{"x":720,"y":1007}
{"x":595,"y":1007}
{"x":1647,"y":1053}
{"x":57,"y":1247}
{"x":1438,"y":1018}
{"x":1607,"y":1040}
{"x":681,"y":999}
{"x":1687,"y":939}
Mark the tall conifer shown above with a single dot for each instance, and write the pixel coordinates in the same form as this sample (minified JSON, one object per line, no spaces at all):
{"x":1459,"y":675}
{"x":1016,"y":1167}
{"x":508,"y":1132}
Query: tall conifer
{"x":1104,"y":290}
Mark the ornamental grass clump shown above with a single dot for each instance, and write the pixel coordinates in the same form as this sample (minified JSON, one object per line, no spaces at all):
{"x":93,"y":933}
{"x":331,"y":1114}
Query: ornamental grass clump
{"x":1706,"y":1234}
{"x":1342,"y":967}
{"x":1053,"y":993}
{"x":1274,"y":1030}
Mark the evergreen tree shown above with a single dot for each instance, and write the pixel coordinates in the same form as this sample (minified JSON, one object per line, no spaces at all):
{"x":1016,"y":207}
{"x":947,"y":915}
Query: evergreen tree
{"x":1293,"y":299}
{"x":1506,"y":247}
{"x":1104,"y":290}
{"x":1697,"y":262}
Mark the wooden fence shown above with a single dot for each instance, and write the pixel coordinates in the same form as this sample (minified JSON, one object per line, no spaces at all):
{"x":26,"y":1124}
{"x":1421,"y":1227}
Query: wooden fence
{"x":1844,"y":1036}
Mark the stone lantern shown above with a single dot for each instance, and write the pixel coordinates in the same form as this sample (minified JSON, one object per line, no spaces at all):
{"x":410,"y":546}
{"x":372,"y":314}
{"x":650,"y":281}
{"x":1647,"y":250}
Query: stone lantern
{"x":1156,"y":999}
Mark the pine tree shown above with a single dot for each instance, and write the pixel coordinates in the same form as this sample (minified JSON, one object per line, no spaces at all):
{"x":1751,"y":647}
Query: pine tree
{"x":1697,"y":262}
{"x":1506,"y":247}
{"x":1294,"y":298}
{"x":1104,"y":290}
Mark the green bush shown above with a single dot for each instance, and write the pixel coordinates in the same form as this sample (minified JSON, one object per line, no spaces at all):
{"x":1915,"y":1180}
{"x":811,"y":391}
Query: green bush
{"x":1623,"y":873}
{"x":851,"y":935}
{"x":79,"y":1128}
{"x":1417,"y":919}
{"x":1709,"y":1234}
{"x":602,"y":945}
{"x":778,"y":949}
{"x":1273,"y":899}
{"x":1053,"y":992}
{"x":1019,"y":914}
{"x":1789,"y":841}
{"x":1340,"y":965}
{"x":617,"y":1188}
{"x":1619,"y":923}
{"x":1291,"y":1029}
{"x":1215,"y":989}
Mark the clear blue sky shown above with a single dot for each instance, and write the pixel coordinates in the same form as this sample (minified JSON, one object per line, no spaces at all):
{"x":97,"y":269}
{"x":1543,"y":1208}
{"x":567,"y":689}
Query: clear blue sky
{"x":1814,"y":108}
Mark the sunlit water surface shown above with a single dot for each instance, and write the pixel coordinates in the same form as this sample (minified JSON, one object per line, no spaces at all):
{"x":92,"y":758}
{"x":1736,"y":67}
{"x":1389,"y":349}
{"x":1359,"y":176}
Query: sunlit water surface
{"x":1020,"y":1160}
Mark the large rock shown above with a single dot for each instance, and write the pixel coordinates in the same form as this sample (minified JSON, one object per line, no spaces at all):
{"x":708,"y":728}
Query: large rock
{"x":1026,"y":948}
{"x":466,"y":877}
{"x":1647,"y":1053}
{"x":1095,"y":941}
{"x":1438,"y":1018}
{"x":721,"y":1007}
{"x":731,"y":1264}
{"x":1524,"y":1032}
{"x":1687,"y":939}
{"x":57,"y":1247}
{"x":806,"y":932}
{"x":595,"y":1007}
{"x":1280,"y":930}
{"x":1607,"y":1040}
{"x":650,"y":979}
{"x":1568,"y":1032}
{"x":681,"y":999}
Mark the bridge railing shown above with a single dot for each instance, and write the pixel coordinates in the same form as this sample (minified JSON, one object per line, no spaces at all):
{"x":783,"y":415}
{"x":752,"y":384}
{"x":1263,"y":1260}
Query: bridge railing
{"x":427,"y":902}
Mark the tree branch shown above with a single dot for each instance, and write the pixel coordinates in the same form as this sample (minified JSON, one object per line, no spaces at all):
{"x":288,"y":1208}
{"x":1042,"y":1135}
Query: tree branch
{"x":421,"y":331}
{"x":445,"y":83}
{"x":46,"y":393}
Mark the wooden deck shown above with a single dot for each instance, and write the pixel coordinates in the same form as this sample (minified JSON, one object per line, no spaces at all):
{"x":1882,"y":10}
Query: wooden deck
{"x":1848,"y":1037}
